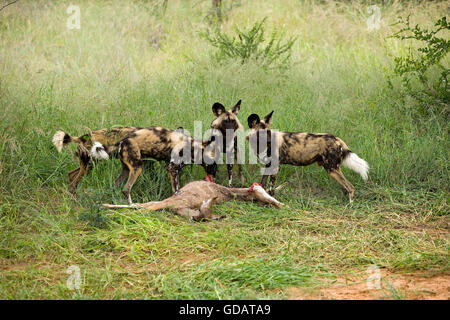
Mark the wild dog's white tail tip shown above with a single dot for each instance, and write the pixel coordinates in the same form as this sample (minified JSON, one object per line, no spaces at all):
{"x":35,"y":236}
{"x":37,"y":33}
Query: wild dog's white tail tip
{"x":352,"y":161}
{"x":58,"y":140}
{"x":98,"y":151}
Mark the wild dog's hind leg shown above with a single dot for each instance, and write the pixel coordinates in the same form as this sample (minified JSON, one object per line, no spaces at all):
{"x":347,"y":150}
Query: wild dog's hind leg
{"x":130,"y":156}
{"x":123,"y":175}
{"x":73,"y":174}
{"x":76,"y":175}
{"x":339,"y":177}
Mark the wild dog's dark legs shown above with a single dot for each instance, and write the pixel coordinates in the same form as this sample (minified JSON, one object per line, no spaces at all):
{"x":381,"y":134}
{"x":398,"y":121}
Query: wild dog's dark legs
{"x":174,"y":174}
{"x":135,"y":171}
{"x":264,"y":180}
{"x":265,"y":175}
{"x":230,"y":175}
{"x":273,"y":178}
{"x":237,"y":158}
{"x":230,"y":166}
{"x":76,"y":175}
{"x":130,"y":156}
{"x":73,"y":174}
{"x":339,"y":177}
{"x":230,"y":162}
{"x":273,"y":182}
{"x":241,"y":174}
{"x":82,"y":171}
{"x":123,"y":175}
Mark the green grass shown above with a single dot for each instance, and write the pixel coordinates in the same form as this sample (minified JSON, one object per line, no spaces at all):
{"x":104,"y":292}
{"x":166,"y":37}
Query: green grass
{"x":128,"y":65}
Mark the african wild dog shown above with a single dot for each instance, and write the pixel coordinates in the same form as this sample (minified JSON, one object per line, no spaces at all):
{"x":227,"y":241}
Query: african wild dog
{"x":227,"y":121}
{"x":172,"y":146}
{"x":91,"y":146}
{"x":302,"y":149}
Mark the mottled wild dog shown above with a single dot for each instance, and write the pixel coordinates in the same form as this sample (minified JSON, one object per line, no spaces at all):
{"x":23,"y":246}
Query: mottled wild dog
{"x":227,"y":123}
{"x":195,"y":199}
{"x":91,"y":146}
{"x":302,"y":149}
{"x":172,"y":146}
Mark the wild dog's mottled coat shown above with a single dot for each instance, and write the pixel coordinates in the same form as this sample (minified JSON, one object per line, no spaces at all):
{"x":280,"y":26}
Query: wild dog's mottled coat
{"x":227,"y":120}
{"x":85,"y":153}
{"x":302,"y":149}
{"x":161,"y":144}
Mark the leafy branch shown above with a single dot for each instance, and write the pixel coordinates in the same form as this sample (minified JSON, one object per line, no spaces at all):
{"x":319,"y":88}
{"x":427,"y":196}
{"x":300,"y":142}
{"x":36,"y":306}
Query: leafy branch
{"x":418,"y":63}
{"x":249,"y":44}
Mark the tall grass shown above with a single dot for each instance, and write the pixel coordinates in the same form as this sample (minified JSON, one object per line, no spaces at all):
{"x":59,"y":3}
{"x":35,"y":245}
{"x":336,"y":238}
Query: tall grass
{"x":131,"y":65}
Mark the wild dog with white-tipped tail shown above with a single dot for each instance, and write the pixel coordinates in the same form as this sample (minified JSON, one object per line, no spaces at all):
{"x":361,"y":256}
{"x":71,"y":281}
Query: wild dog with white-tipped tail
{"x":91,"y":146}
{"x":302,"y":149}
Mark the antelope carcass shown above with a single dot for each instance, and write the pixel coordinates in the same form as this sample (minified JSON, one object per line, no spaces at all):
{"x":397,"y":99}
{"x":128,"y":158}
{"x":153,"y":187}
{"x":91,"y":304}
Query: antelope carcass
{"x":195,"y":199}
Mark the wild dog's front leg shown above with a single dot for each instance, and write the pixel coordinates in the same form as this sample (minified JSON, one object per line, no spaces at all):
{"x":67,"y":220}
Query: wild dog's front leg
{"x":238,"y":159}
{"x":265,"y":175}
{"x":174,"y":174}
{"x":230,"y":175}
{"x":271,"y":172}
{"x":273,"y":182}
{"x":230,"y":156}
{"x":264,"y":180}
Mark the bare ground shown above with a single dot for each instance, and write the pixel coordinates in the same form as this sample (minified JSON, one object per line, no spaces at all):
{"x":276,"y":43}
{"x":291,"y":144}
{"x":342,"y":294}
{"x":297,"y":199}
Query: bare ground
{"x":392,"y":285}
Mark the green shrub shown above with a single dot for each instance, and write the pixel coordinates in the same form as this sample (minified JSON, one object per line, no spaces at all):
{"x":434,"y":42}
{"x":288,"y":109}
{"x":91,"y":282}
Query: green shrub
{"x":251,"y":45}
{"x":418,"y":69}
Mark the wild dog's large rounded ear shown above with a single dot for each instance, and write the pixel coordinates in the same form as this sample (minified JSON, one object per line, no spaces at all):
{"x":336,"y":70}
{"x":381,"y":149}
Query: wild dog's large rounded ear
{"x":268,"y":118}
{"x":253,"y":120}
{"x":217,"y":109}
{"x":236,"y":107}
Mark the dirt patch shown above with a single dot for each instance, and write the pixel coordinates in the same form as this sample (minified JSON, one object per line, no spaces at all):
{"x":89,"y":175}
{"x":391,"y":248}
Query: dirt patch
{"x":12,"y":265}
{"x":391,"y":286}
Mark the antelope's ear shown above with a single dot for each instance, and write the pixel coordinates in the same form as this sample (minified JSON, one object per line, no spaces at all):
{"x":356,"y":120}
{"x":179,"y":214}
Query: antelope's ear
{"x":218,"y":108}
{"x":268,"y":118}
{"x":237,"y":107}
{"x":253,"y":120}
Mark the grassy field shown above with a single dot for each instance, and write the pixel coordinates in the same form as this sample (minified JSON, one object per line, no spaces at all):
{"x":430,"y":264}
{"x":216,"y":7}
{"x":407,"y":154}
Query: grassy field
{"x":130,"y":64}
